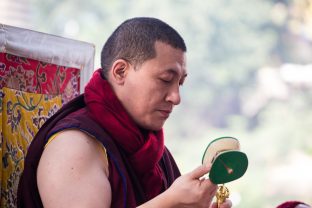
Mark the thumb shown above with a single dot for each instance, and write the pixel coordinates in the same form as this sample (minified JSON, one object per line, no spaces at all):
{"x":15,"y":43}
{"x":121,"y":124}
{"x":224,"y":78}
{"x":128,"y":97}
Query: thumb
{"x":199,"y":172}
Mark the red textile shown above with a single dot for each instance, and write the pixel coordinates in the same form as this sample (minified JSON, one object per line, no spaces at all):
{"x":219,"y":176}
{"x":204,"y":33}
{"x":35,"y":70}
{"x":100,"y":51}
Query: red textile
{"x":33,"y":76}
{"x":290,"y":204}
{"x":142,"y":150}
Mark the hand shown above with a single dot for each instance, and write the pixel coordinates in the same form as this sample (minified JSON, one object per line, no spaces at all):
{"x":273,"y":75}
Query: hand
{"x":191,"y":190}
{"x":226,"y":204}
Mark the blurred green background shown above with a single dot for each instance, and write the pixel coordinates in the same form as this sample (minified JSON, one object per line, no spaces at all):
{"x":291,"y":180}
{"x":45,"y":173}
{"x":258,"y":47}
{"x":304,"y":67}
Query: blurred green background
{"x":250,"y":76}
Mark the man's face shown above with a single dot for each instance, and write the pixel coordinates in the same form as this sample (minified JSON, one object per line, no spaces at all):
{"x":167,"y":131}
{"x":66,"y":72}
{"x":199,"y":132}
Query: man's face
{"x":152,"y":89}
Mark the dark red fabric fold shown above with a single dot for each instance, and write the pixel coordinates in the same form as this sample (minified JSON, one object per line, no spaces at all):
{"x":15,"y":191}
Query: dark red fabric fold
{"x":290,"y":204}
{"x":143,"y":150}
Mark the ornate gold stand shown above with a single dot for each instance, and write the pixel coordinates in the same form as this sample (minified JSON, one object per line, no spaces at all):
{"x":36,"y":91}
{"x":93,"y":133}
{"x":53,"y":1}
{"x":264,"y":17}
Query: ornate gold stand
{"x":222,"y":194}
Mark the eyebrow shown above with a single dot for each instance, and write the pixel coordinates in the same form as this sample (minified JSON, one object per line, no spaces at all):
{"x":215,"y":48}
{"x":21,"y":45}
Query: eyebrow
{"x":174,"y":71}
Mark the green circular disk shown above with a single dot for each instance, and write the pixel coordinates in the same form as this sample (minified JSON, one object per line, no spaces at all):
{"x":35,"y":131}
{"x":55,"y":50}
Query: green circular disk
{"x":228,"y":166}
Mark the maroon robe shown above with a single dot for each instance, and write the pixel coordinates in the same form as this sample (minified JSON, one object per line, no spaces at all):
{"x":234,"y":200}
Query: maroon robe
{"x":126,"y":188}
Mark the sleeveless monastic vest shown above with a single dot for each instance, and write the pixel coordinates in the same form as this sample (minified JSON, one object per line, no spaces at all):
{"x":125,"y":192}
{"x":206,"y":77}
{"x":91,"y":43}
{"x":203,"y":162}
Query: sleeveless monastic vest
{"x":121,"y":176}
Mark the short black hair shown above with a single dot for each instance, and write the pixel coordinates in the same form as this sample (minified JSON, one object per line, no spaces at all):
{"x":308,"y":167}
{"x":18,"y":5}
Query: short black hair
{"x":134,"y":41}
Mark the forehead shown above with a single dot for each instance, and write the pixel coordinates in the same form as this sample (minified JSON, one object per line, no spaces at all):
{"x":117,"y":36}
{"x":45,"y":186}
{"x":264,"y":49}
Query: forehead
{"x":169,"y":58}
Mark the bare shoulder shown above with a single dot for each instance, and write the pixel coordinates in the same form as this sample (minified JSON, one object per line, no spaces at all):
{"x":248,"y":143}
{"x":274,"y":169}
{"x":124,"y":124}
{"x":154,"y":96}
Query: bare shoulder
{"x":71,"y":172}
{"x":74,"y":148}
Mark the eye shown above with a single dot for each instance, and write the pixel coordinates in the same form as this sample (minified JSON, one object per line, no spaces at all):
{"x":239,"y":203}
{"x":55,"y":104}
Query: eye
{"x":182,"y":81}
{"x":166,"y":79}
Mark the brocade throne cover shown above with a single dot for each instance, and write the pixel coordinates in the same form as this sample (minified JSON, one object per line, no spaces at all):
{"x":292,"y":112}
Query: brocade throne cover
{"x":38,"y":74}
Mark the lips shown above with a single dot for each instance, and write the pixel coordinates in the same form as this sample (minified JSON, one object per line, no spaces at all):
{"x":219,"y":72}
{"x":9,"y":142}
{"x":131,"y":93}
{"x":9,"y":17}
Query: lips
{"x":165,"y":113}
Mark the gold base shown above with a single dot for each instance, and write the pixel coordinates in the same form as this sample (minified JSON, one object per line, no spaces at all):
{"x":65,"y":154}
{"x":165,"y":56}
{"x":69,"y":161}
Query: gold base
{"x":222,"y":194}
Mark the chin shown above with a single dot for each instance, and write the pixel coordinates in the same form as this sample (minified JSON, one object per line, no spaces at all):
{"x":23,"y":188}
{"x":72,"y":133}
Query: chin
{"x":153,"y":127}
{"x":157,"y":128}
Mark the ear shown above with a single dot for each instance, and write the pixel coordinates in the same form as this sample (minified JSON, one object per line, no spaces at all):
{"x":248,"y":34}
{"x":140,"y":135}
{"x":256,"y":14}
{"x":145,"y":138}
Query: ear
{"x":119,"y":71}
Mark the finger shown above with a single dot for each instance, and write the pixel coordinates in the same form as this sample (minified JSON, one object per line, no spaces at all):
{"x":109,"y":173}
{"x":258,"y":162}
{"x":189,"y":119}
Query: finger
{"x":226,"y":204}
{"x":214,"y":190}
{"x":214,"y":205}
{"x":199,"y":172}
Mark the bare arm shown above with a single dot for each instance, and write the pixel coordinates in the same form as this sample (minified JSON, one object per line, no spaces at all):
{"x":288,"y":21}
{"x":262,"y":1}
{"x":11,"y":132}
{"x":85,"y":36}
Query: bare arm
{"x":72,"y":173}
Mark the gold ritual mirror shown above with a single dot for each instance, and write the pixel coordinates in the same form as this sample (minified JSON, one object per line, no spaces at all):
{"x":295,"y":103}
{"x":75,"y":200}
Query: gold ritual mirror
{"x":228,"y":163}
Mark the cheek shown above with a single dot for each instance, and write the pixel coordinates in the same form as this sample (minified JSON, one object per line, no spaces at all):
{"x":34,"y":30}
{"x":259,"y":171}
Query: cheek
{"x":145,"y":95}
{"x":147,"y":100}
{"x":138,"y":99}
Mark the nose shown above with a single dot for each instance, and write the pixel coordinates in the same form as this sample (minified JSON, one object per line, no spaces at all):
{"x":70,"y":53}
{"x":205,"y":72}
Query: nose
{"x":173,"y":96}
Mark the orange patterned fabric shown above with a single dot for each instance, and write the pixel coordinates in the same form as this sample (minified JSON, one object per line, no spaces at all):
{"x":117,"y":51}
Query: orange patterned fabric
{"x":22,"y":113}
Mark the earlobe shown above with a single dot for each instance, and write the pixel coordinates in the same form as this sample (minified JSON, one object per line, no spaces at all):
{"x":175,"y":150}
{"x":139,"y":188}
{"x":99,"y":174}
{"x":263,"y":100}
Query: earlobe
{"x":119,"y":71}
